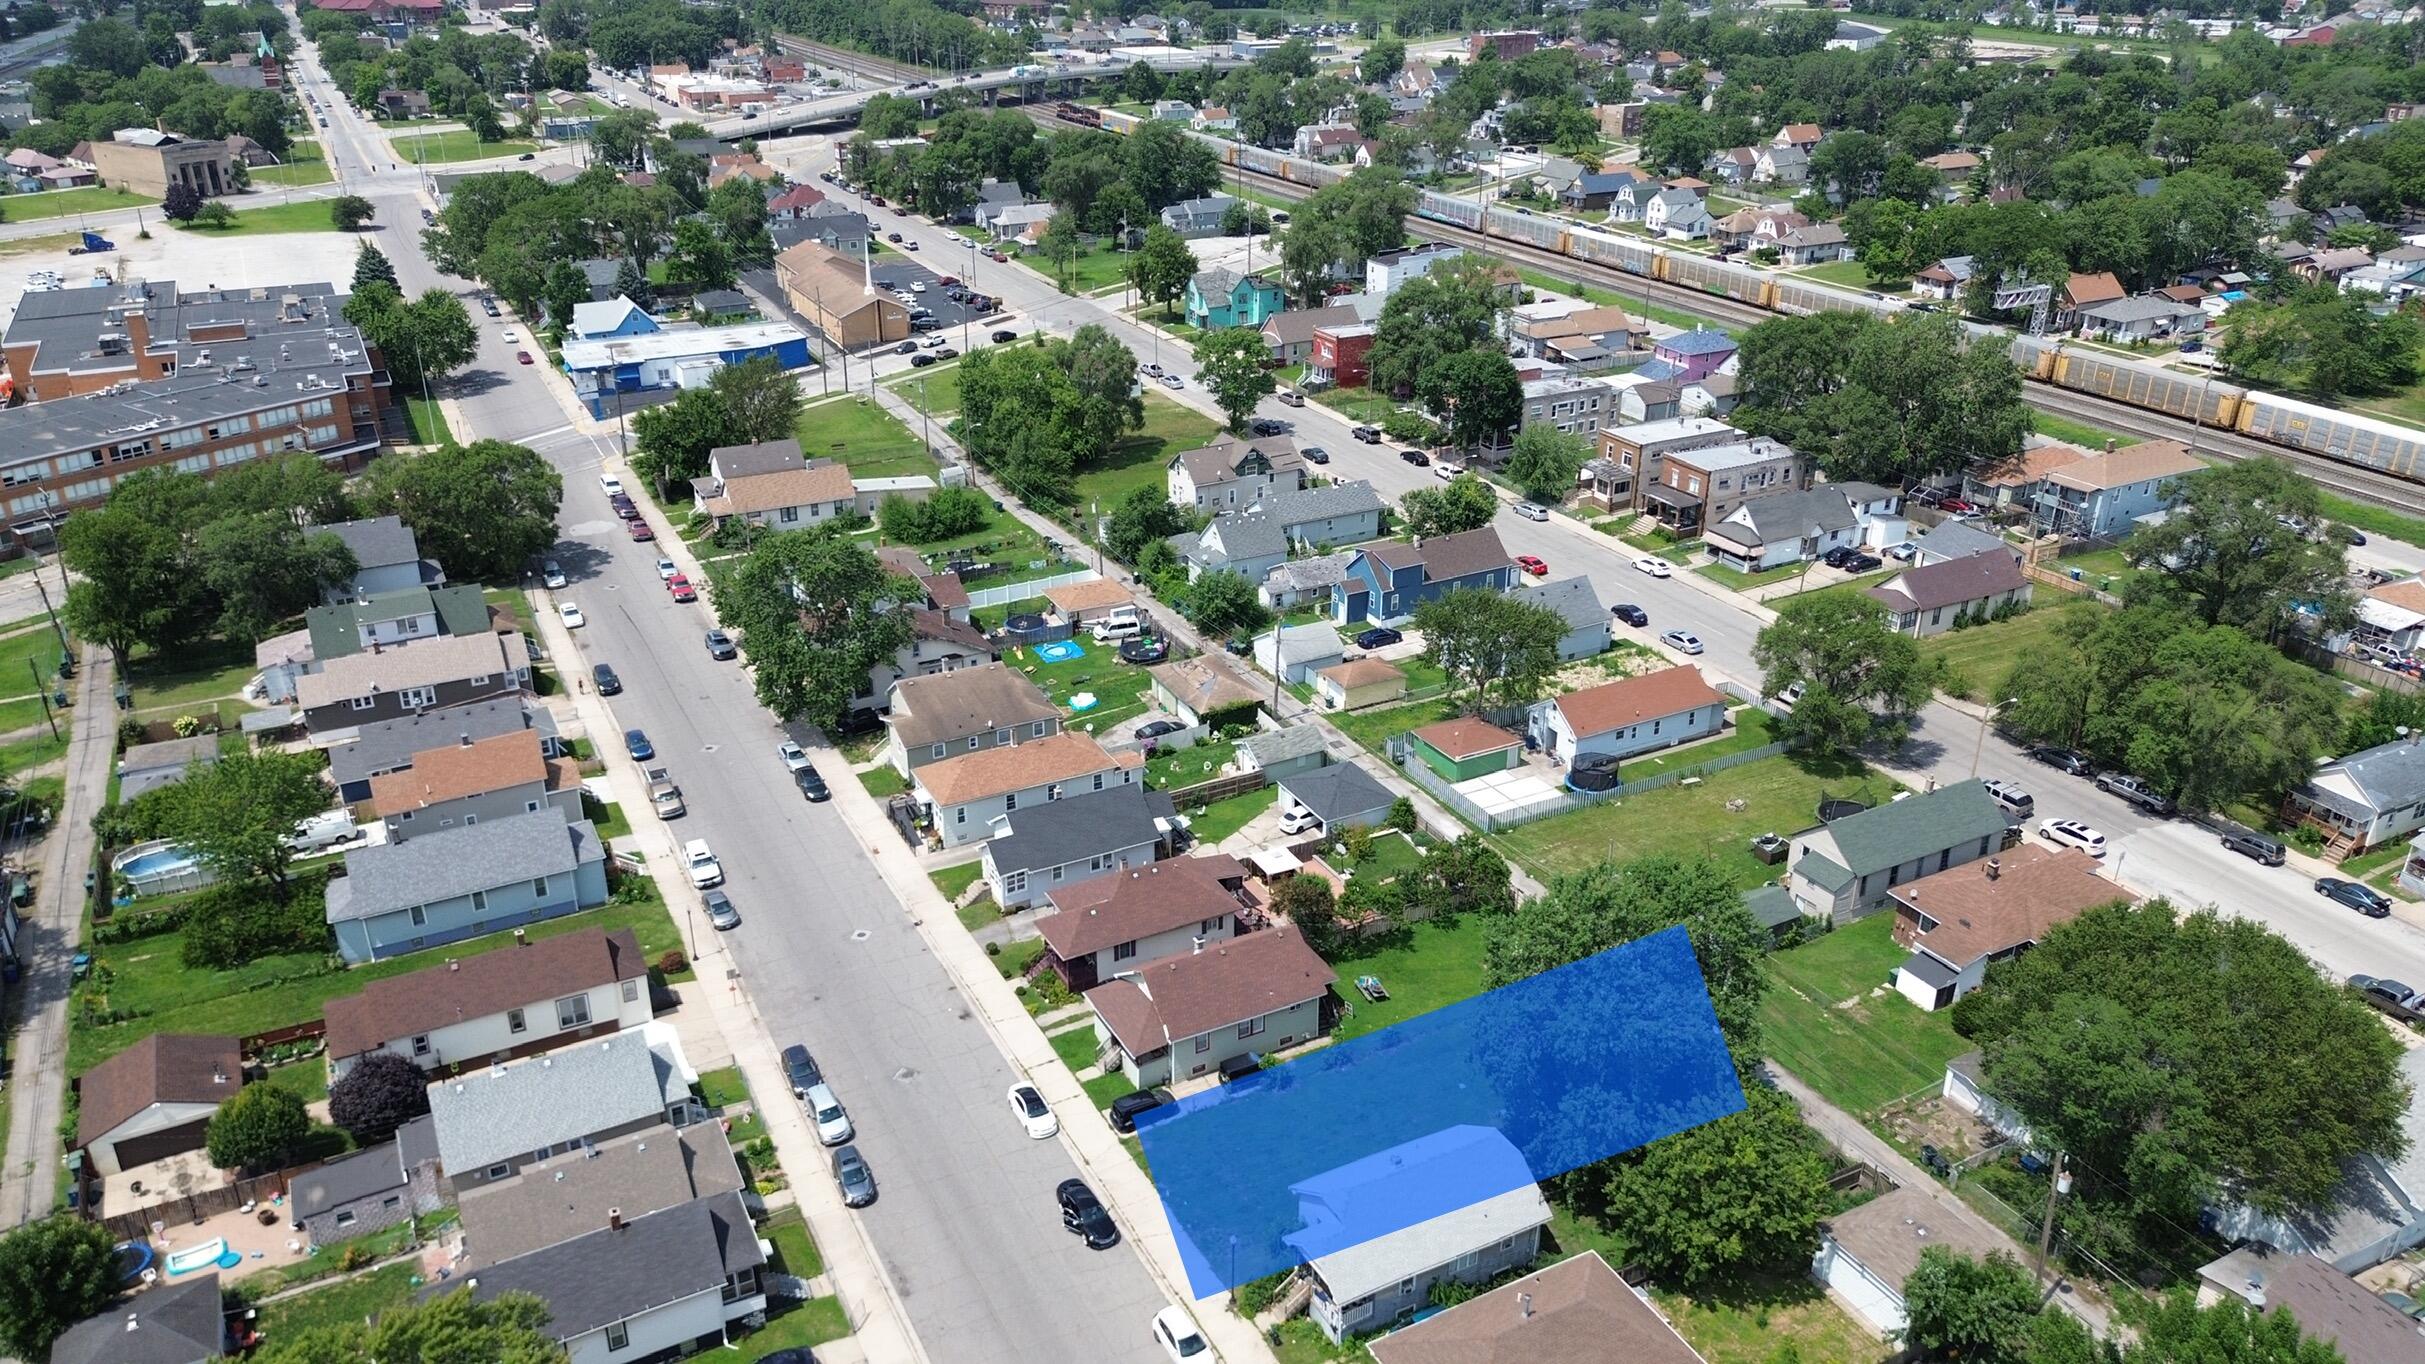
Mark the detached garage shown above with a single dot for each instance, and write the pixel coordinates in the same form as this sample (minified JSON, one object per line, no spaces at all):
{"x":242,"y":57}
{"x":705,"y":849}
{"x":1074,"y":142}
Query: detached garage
{"x":154,"y":1099}
{"x":1866,"y":1254}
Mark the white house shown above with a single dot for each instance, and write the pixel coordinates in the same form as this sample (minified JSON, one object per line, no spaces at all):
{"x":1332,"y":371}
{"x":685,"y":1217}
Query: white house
{"x":1632,"y":715}
{"x":964,"y":795}
{"x":2368,"y":798}
{"x":1231,"y":473}
{"x":1296,"y":652}
{"x":469,"y":1011}
{"x":1387,"y":271}
{"x":1677,"y":214}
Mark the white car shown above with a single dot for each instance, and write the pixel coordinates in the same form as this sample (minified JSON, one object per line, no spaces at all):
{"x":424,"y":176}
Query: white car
{"x":1531,"y":511}
{"x":666,"y":569}
{"x":934,"y":341}
{"x":512,"y":338}
{"x":571,"y":616}
{"x":1682,"y":641}
{"x":1032,"y":1112}
{"x":794,"y":757}
{"x":2071,"y":833}
{"x":1298,"y":819}
{"x":1655,"y":566}
{"x":552,"y":574}
{"x":610,"y":484}
{"x":1446,"y":468}
{"x":918,"y":286}
{"x":702,"y":865}
{"x":1173,"y":381}
{"x":1176,"y":1333}
{"x":833,"y":1125}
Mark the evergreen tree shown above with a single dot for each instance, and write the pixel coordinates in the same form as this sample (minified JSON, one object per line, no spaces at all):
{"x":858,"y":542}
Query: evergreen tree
{"x":631,"y":281}
{"x":370,"y":263}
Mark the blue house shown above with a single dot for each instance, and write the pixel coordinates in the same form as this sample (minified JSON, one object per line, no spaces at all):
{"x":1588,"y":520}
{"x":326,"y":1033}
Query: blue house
{"x":1386,"y":582}
{"x":1220,"y":299}
{"x":617,"y":316}
{"x":605,"y":368}
{"x":465,"y":882}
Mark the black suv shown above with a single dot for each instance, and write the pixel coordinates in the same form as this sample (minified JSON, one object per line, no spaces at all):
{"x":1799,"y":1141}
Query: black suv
{"x":801,"y":1069}
{"x":2139,"y":793}
{"x":2063,"y":760}
{"x":1630,"y":614}
{"x":608,"y":683}
{"x":1862,"y":563}
{"x":1835,"y":558}
{"x":1267,"y":426}
{"x":811,"y":785}
{"x":1126,"y":1109}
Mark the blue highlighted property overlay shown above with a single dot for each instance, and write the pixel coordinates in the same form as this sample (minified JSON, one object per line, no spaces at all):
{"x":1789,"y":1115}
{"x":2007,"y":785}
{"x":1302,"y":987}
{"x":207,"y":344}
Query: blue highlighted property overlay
{"x":1455,"y":1112}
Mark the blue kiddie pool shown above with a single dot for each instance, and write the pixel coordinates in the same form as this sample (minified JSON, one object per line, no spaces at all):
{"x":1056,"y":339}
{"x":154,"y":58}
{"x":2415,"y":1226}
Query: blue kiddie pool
{"x":1060,"y":651}
{"x":134,"y":1257}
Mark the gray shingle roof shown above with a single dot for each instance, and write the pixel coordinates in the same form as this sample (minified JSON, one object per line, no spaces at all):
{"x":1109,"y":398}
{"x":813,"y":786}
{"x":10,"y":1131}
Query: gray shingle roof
{"x":1954,"y":540}
{"x":1279,"y":745}
{"x":377,"y":542}
{"x":1298,"y":643}
{"x":1242,"y":537}
{"x":389,"y":746}
{"x":1772,"y":905}
{"x":1298,"y":507}
{"x":1901,"y":830}
{"x":1574,"y":599}
{"x":487,"y":1116}
{"x":568,"y":1196}
{"x":1337,"y":791}
{"x":1063,"y":831}
{"x":1791,"y":516}
{"x":372,"y":1170}
{"x":176,"y":1323}
{"x":2389,"y":776}
{"x":455,"y":862}
{"x":1306,"y":575}
{"x":611,"y":1275}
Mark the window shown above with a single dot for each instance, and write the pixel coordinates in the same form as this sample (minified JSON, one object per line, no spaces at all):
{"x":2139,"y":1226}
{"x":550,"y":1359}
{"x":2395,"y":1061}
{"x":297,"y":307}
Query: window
{"x":514,"y":1021}
{"x":346,"y":1218}
{"x":392,"y":1201}
{"x":1124,"y":951}
{"x":1467,"y":1263}
{"x":1036,"y":730}
{"x":1010,"y":802}
{"x":1057,"y":873}
{"x":1098,"y":781}
{"x":479,"y":897}
{"x":938,"y":750}
{"x":1944,"y":859}
{"x":421,"y":1045}
{"x":415,"y":698}
{"x":788,"y":514}
{"x":1015,"y":883}
{"x":631,"y":991}
{"x":572,"y":1011}
{"x":1002,"y":736}
{"x":960,"y":815}
{"x":363,"y":702}
{"x":499,"y":1171}
{"x":1213,"y":924}
{"x":972,"y":743}
{"x":419,"y":917}
{"x":538,"y":886}
{"x":1250,"y":1027}
{"x":1204,"y":1042}
{"x":618,"y":1336}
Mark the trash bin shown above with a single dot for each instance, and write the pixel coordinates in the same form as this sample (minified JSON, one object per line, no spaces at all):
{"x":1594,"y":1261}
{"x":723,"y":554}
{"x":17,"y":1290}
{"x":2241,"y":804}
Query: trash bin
{"x":2075,"y":575}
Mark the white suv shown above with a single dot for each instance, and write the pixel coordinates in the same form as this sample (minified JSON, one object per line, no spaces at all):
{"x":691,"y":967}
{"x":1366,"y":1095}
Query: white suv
{"x":702,"y":865}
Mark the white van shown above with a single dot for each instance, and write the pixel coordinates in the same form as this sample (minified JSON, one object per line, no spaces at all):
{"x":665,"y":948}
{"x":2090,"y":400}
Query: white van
{"x":1116,"y":629}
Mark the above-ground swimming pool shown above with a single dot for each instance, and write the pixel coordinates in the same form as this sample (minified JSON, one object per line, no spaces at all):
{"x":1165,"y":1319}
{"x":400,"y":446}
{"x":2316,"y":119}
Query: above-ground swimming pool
{"x":1060,"y":651}
{"x":160,"y":866}
{"x":157,"y":862}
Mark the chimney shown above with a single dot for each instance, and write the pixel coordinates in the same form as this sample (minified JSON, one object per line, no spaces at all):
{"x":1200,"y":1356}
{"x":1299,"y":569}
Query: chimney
{"x":1995,"y":868}
{"x":464,"y":740}
{"x":1524,"y":1306}
{"x":614,"y":1219}
{"x":2256,"y":1291}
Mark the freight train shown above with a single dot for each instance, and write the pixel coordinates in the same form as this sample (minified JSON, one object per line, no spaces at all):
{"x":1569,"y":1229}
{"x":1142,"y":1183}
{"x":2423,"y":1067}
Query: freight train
{"x":2345,"y":437}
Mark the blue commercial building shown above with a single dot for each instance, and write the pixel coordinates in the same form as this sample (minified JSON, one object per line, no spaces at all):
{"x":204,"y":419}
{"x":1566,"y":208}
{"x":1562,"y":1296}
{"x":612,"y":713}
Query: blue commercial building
{"x":609,"y":371}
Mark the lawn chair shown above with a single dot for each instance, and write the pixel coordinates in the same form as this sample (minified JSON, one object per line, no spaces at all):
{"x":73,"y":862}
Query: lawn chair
{"x":1372,"y":988}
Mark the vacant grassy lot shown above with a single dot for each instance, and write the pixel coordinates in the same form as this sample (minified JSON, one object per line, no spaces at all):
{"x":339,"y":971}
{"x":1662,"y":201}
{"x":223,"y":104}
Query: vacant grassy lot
{"x":1140,"y":460}
{"x":191,"y":675}
{"x":429,"y":422}
{"x":61,"y":203}
{"x":1357,"y":404}
{"x":303,"y":215}
{"x":1738,"y":580}
{"x":2072,"y":432}
{"x":341,"y":1303}
{"x":937,"y":390}
{"x":1849,"y":273}
{"x":865,"y":437}
{"x":1426,"y":968}
{"x":1984,"y":654}
{"x":1779,"y":795}
{"x":303,"y":166}
{"x":455,"y":145}
{"x":2102,"y":568}
{"x":1827,"y":1020}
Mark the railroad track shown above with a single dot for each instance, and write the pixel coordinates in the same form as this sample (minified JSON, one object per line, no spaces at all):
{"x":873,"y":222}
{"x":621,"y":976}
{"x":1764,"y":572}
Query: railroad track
{"x":856,"y":63}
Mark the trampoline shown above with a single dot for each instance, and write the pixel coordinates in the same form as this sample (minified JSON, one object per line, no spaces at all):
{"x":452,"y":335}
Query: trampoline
{"x":1060,"y":651}
{"x":1832,"y":810}
{"x":134,"y":1260}
{"x":1023,"y":623}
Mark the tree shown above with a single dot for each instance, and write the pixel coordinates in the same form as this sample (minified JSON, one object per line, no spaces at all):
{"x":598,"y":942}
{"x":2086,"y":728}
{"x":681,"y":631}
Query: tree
{"x":1712,"y":1203}
{"x":1162,"y":267}
{"x":379,"y":1093}
{"x":1454,"y":879}
{"x":452,"y":1328}
{"x":1146,"y":516}
{"x":1888,"y":402}
{"x":1463,"y":503}
{"x":675,"y":437}
{"x":1232,"y":364}
{"x":1546,"y":462}
{"x":631,"y":281}
{"x":132,"y":582}
{"x":1868,"y":678}
{"x":1019,"y":419}
{"x":423,"y":340}
{"x":256,"y":1127}
{"x":371,"y":264}
{"x":181,"y":203}
{"x":2222,"y":555}
{"x":1307,"y":902}
{"x":265,"y":568}
{"x":1223,"y":602}
{"x":761,"y":400}
{"x":214,"y":215}
{"x":482,"y":510}
{"x":350,"y":211}
{"x":55,"y":1272}
{"x":2185,"y":1057}
{"x":1062,"y":244}
{"x":816,"y":612}
{"x":1497,"y":648}
{"x":110,"y":45}
{"x":1477,"y":392}
{"x":238,"y":813}
{"x":699,"y":257}
{"x":1426,"y":320}
{"x":565,"y":288}
{"x":2177,"y":1330}
{"x":2325,"y":342}
{"x":1381,"y":61}
{"x":1102,"y":374}
{"x":1969,"y":1309}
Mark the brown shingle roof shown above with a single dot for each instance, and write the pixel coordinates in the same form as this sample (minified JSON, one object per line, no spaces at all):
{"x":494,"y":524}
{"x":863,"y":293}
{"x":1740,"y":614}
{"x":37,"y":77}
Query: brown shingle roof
{"x":1973,"y":577}
{"x":812,"y":486}
{"x":946,"y":706}
{"x":994,"y":771}
{"x":458,"y":770}
{"x":2034,"y":464}
{"x":1577,"y":1311}
{"x":1976,"y":914}
{"x":1363,"y":672}
{"x":2407,"y":594}
{"x":2100,"y":287}
{"x":1614,"y":705}
{"x":1138,"y":902}
{"x":1887,"y":1233}
{"x":164,"y":1068}
{"x":2130,"y":464}
{"x":1088,"y":596}
{"x":1466,"y":737}
{"x":475,"y":987}
{"x":1226,"y":983}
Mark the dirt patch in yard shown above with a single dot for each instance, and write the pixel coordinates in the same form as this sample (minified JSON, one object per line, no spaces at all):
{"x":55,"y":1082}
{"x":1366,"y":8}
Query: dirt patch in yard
{"x":1930,"y":1121}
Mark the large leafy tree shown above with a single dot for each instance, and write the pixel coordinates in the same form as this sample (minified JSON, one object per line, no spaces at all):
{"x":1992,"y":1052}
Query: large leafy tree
{"x":1232,"y":364}
{"x":1969,"y":1309}
{"x":2223,"y":555}
{"x":1545,"y":463}
{"x":1427,"y":320}
{"x":1161,"y":267}
{"x":481,"y":510}
{"x":761,"y":400}
{"x":1103,"y":372}
{"x":675,"y":437}
{"x":2323,"y":341}
{"x":1462,"y":503}
{"x":454,"y":1328}
{"x":1739,"y":1195}
{"x":700,"y":257}
{"x":2183,"y":1058}
{"x":1464,"y":877}
{"x":1475,"y":393}
{"x":256,"y":1127}
{"x":264,"y":568}
{"x":53,"y":1274}
{"x":379,"y":1093}
{"x":423,"y":340}
{"x":1889,"y":402}
{"x":133,"y":584}
{"x":1496,"y":649}
{"x":815,"y":611}
{"x":238,"y":813}
{"x":1223,"y":602}
{"x":1144,"y":517}
{"x":1863,"y":679}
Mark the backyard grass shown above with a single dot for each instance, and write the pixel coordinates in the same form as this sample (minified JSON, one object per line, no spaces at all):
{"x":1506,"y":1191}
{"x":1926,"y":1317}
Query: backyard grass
{"x":1849,"y":273}
{"x":1140,"y":460}
{"x":2105,"y":568}
{"x":1765,"y":1320}
{"x":60,"y":203}
{"x":303,"y":215}
{"x":2071,"y":432}
{"x":955,"y":881}
{"x":1983,"y":655}
{"x":1012,"y":961}
{"x":723,"y":1087}
{"x":513,"y":602}
{"x":1077,"y":1047}
{"x":429,"y":422}
{"x":1859,"y":1049}
{"x":1847,"y":588}
{"x":1780,"y":795}
{"x":870,"y":440}
{"x":1119,"y":688}
{"x":1753,"y":728}
{"x":455,"y":145}
{"x":340,"y":1304}
{"x":306,"y":1079}
{"x":303,"y":166}
{"x":1426,"y":968}
{"x":1371,"y":727}
{"x":1225,"y":817}
{"x":607,"y":815}
{"x":1180,"y":767}
{"x":793,"y":1327}
{"x":192,"y":674}
{"x":1736,"y":579}
{"x":793,"y":1245}
{"x":883,"y":782}
{"x":29,"y":651}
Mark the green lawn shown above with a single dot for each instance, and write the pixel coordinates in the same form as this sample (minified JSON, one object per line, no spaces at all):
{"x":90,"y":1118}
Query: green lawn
{"x":1738,"y":580}
{"x":1849,"y":587}
{"x":306,"y":1079}
{"x":1763,"y":1321}
{"x":1225,"y":817}
{"x":1860,"y":1050}
{"x":870,"y":440}
{"x":794,"y":1326}
{"x":303,"y":215}
{"x":1780,"y":795}
{"x":197,"y":673}
{"x":955,"y":881}
{"x":723,"y":1087}
{"x":608,"y":816}
{"x":2105,"y":568}
{"x":1753,"y":728}
{"x":793,"y":1245}
{"x":1849,"y":273}
{"x":1357,"y":404}
{"x":937,"y":390}
{"x":1370,"y":727}
{"x":60,"y":203}
{"x":303,"y":166}
{"x":883,"y":782}
{"x":1187,"y":766}
{"x":1076,"y":1047}
{"x":430,"y":426}
{"x":1012,"y":961}
{"x":339,"y":1304}
{"x":2071,"y":432}
{"x":455,"y":145}
{"x":1141,"y":460}
{"x":1983,"y":655}
{"x":1431,"y":967}
{"x":1675,"y":552}
{"x":1119,"y":688}
{"x":2376,"y":520}
{"x":1098,"y":267}
{"x":1391,"y":856}
{"x":30,"y":651}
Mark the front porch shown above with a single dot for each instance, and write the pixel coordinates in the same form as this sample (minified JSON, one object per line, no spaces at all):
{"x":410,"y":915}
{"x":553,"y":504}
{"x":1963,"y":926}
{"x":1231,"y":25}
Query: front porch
{"x":1675,"y":510}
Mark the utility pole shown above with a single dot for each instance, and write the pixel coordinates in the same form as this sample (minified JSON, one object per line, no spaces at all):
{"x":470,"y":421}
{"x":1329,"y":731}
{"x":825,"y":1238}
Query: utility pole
{"x":2058,"y":1184}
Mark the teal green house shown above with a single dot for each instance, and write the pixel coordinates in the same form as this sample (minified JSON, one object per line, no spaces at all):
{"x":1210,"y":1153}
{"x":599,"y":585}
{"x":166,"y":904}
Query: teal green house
{"x":1220,"y":299}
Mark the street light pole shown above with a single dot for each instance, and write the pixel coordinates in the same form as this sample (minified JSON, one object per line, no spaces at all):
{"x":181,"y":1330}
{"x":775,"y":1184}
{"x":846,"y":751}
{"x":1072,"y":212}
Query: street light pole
{"x":2058,"y":1183}
{"x":1979,"y":750}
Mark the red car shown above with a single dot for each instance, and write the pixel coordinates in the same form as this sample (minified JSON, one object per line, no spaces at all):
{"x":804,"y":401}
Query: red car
{"x":1955,"y":504}
{"x":680,"y":586}
{"x":1531,"y":563}
{"x":640,"y":530}
{"x":524,"y":357}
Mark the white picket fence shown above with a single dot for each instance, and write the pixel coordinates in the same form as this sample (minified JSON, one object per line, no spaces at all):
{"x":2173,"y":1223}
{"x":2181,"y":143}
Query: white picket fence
{"x":1007,"y":593}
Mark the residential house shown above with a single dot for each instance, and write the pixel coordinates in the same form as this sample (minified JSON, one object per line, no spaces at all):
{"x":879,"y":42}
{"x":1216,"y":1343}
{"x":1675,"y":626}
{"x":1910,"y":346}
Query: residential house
{"x":1260,"y":538}
{"x":944,"y":591}
{"x":633,"y":1175}
{"x":144,"y":768}
{"x":1582,"y":339}
{"x":1950,"y":540}
{"x":1385,"y":272}
{"x":1358,"y":683}
{"x":497,"y":1121}
{"x":465,"y":882}
{"x":432,"y":675}
{"x":1302,"y":581}
{"x":1387,"y":581}
{"x":1126,"y":916}
{"x":617,"y":316}
{"x":1945,"y":280}
{"x":494,"y":1006}
{"x":1182,"y":1017}
{"x":964,"y":795}
{"x":1295,"y":652}
{"x":2392,"y":615}
{"x":1577,"y":1311}
{"x":1594,"y":191}
{"x":1960,"y":921}
{"x":808,"y":494}
{"x":1327,"y":141}
{"x":1844,"y":870}
{"x":1690,"y":355}
{"x":1954,"y":167}
{"x":154,"y":1099}
{"x":1465,"y":747}
{"x":1094,"y":600}
{"x":2018,"y":482}
{"x":1747,"y":228}
{"x":1628,"y":716}
{"x":1577,"y":603}
{"x":1733,"y":166}
{"x":471,"y":780}
{"x":1677,"y":214}
{"x":1195,"y":219}
{"x":1364,"y":1282}
{"x":386,"y":559}
{"x":1802,"y":137}
{"x":1218,"y":299}
{"x":1066,"y":841}
{"x":2368,"y":798}
{"x":395,"y":618}
{"x":1342,"y":796}
{"x":1695,"y":487}
{"x":1630,"y":201}
{"x":2361,"y":1326}
{"x":1199,"y":692}
{"x":1786,"y":166}
{"x":1342,"y":356}
{"x":2147,"y":317}
{"x":1290,"y":335}
{"x":1852,"y":37}
{"x":1570,"y":404}
{"x":1710,"y":395}
{"x":2332,"y":265}
{"x":1788,"y":527}
{"x":1278,"y":753}
{"x":795,"y":202}
{"x":391,"y":746}
{"x":2085,"y":291}
{"x":939,"y":642}
{"x":1866,"y":1254}
{"x":1232,"y":473}
{"x":371,"y":1190}
{"x":1215,"y":119}
{"x":966,"y":710}
{"x":2105,"y":494}
{"x":177,"y":1322}
{"x":1633,"y":455}
{"x":1928,"y":599}
{"x":1816,"y":244}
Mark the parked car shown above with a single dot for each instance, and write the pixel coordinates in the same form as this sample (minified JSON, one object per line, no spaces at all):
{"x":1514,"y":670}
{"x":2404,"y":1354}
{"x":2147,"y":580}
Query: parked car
{"x":700,"y":861}
{"x":2010,"y":798}
{"x":680,"y":589}
{"x":2138,"y":793}
{"x":607,"y":683}
{"x":1173,"y":382}
{"x":2265,"y":850}
{"x":523,"y":357}
{"x":921,"y":360}
{"x":1370,"y":435}
{"x":2071,"y":833}
{"x":812,"y":785}
{"x":1682,"y":641}
{"x":801,"y":1069}
{"x":1289,"y":397}
{"x":666,"y":569}
{"x":1126,"y":1109}
{"x":1176,"y":1333}
{"x":906,"y":348}
{"x":551,"y":573}
{"x":2391,"y":997}
{"x":826,"y":1112}
{"x":1655,"y":566}
{"x":1447,"y":469}
{"x":640,"y":531}
{"x":720,"y":646}
{"x":2362,"y":898}
{"x":1034,"y":1115}
{"x":1267,"y":426}
{"x":1415,"y":457}
{"x":1531,"y":511}
{"x":1630,"y":614}
{"x":1083,"y":1215}
{"x":792,"y":756}
{"x":1904,"y":553}
{"x":1533,"y":564}
{"x":720,"y":911}
{"x":610,"y":485}
{"x":1298,"y":820}
{"x":2063,"y":760}
{"x":1155,"y":729}
{"x":570,"y":615}
{"x":1005,"y":334}
{"x":1378,"y":637}
{"x":1863,"y":563}
{"x":1789,"y":696}
{"x":1839,"y":556}
{"x":858,"y":1183}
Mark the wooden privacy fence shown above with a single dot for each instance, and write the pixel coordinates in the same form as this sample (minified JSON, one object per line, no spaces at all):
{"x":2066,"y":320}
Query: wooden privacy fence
{"x":1219,"y":788}
{"x":185,"y":1209}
